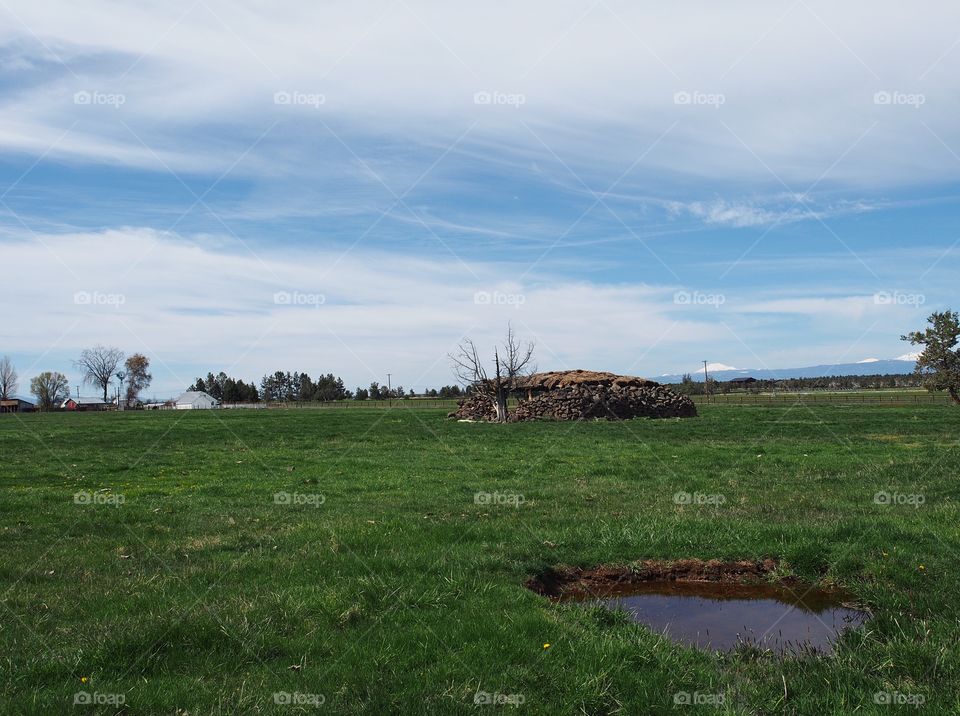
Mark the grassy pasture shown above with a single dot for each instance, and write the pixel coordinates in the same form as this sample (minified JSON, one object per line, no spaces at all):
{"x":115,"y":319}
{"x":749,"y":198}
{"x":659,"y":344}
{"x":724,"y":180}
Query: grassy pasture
{"x":217,"y":561}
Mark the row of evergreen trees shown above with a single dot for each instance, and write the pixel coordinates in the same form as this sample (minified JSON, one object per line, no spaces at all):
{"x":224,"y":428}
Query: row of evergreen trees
{"x":300,"y":387}
{"x":791,"y":385}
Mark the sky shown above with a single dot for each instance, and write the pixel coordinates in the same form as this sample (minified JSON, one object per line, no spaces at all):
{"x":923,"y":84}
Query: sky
{"x":355,"y":187}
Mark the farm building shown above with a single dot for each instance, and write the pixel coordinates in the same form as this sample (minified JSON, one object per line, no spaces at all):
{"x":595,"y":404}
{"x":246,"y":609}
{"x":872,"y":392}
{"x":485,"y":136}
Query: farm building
{"x":197,"y":400}
{"x":85,"y":404}
{"x":743,"y":384}
{"x":16,"y":405}
{"x":159,"y":405}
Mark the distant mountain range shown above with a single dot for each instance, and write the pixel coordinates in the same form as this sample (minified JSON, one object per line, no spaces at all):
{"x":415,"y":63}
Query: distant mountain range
{"x":870,"y":366}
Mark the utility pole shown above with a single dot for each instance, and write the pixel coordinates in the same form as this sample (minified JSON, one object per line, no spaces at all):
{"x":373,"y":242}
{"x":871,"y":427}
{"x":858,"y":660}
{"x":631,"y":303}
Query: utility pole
{"x":706,"y":382}
{"x":389,"y":391}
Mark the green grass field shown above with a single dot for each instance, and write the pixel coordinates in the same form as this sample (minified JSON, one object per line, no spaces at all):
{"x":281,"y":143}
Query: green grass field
{"x":147,"y":558}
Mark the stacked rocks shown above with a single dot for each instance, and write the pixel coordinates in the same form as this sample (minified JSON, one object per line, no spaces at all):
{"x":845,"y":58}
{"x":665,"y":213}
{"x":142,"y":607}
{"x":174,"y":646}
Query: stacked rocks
{"x":475,"y":407}
{"x":609,"y":402}
{"x":584,"y":395}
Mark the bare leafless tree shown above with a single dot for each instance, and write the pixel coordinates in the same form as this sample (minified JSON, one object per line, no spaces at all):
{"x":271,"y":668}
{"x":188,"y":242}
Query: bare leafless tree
{"x":512,"y":362}
{"x":8,"y":379}
{"x":99,"y":364}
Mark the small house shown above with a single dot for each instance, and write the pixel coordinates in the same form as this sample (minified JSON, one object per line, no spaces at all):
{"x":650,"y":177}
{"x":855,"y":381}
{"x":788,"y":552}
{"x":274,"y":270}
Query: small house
{"x":196,"y":400}
{"x":16,"y":405}
{"x":85,"y":404}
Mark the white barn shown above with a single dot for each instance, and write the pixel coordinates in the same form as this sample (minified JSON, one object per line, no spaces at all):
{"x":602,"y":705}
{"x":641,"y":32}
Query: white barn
{"x":196,"y":400}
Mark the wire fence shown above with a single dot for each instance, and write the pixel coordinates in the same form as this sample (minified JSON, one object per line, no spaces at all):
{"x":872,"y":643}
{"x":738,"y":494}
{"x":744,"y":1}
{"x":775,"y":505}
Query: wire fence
{"x":890,"y":398}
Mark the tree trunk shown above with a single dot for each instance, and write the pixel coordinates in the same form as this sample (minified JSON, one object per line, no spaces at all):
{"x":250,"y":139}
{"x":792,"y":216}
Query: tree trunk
{"x":501,"y":404}
{"x":954,"y":394}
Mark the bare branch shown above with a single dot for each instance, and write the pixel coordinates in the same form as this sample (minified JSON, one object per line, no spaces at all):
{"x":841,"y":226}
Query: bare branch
{"x":8,"y":379}
{"x":99,"y":364}
{"x":511,"y":363}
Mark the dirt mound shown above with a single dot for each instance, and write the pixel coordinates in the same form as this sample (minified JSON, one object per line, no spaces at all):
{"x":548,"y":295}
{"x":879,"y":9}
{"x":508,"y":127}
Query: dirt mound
{"x":567,"y":581}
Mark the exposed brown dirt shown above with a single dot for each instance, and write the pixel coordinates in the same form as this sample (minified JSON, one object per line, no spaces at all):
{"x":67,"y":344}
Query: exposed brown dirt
{"x":567,"y":378}
{"x":578,"y":581}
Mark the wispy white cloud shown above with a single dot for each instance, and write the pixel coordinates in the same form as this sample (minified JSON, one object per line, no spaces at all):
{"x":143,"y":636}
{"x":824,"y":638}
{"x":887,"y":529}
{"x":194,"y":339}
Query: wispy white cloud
{"x":208,"y":302}
{"x":196,"y":303}
{"x":598,"y":86}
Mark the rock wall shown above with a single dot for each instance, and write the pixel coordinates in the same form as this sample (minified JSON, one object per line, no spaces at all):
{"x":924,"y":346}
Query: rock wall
{"x":609,"y":402}
{"x":613,"y":398}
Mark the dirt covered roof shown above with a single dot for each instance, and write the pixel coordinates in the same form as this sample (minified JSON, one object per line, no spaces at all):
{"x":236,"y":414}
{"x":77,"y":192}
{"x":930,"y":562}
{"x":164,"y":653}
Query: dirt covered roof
{"x":565,"y":378}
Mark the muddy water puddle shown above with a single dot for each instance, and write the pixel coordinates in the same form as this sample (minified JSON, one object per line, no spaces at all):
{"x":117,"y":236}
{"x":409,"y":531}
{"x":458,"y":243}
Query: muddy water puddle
{"x":718,"y":616}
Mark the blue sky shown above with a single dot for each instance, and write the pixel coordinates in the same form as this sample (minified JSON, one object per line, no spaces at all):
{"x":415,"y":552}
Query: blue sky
{"x":352,"y":188}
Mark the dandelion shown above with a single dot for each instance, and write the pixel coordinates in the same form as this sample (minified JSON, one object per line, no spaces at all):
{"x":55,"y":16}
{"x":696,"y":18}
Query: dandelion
{"x":84,"y":679}
{"x":546,"y":646}
{"x":922,"y":568}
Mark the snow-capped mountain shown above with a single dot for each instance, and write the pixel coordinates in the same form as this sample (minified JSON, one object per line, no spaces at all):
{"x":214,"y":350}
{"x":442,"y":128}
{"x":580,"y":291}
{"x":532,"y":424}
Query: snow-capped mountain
{"x":868,"y":366}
